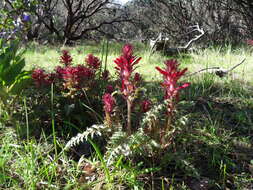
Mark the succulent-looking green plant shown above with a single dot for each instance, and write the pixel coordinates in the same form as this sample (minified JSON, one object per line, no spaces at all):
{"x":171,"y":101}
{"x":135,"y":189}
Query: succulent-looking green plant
{"x":13,"y":77}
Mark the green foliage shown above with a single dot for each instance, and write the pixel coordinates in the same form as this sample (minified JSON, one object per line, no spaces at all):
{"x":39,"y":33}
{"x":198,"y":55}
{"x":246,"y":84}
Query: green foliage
{"x":13,"y":78}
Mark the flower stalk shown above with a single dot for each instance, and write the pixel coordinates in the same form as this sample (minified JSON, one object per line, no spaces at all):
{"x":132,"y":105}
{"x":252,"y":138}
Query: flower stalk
{"x":125,"y":67}
{"x":171,"y":75}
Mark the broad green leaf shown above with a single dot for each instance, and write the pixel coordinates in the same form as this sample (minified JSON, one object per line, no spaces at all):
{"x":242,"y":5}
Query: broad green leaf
{"x":18,"y":86}
{"x":3,"y":94}
{"x":13,"y":71}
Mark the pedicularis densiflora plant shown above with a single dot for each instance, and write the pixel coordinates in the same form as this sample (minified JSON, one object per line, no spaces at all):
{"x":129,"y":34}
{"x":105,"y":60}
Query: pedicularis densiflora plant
{"x":69,"y":79}
{"x":171,"y":75}
{"x":125,"y":66}
{"x":136,"y":126}
{"x":124,"y":109}
{"x":79,"y":102}
{"x":129,"y":84}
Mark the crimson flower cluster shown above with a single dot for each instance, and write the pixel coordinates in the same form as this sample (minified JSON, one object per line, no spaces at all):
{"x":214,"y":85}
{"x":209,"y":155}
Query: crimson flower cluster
{"x":171,"y":75}
{"x":74,"y":77}
{"x":41,"y":78}
{"x":125,"y":67}
{"x":71,"y":77}
{"x":92,"y":62}
{"x":109,"y":102}
{"x":66,"y":58}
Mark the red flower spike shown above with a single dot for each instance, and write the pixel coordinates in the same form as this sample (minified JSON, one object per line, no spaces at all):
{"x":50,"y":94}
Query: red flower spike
{"x":66,"y":59}
{"x":92,"y":61}
{"x":171,"y":76}
{"x":41,"y":78}
{"x":146,"y":106}
{"x":74,"y":76}
{"x":109,"y":102}
{"x":127,"y":51}
{"x":125,"y":67}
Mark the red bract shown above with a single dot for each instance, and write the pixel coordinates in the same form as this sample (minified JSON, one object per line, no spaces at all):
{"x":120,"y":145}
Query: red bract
{"x":51,"y":77}
{"x":105,"y":75}
{"x":125,"y":66}
{"x":137,"y":77}
{"x":250,"y":42}
{"x":92,"y":61}
{"x":127,"y":51}
{"x":59,"y":70}
{"x":171,"y":75}
{"x":66,"y":59}
{"x":75,"y":76}
{"x":109,"y":102}
{"x":41,"y":78}
{"x":109,"y":89}
{"x":146,"y":106}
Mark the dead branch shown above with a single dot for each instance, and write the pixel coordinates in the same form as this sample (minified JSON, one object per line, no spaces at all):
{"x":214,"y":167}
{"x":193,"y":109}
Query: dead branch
{"x":195,"y":28}
{"x":201,"y":70}
{"x":153,"y":43}
{"x":221,"y":73}
{"x":218,"y":71}
{"x":162,"y":44}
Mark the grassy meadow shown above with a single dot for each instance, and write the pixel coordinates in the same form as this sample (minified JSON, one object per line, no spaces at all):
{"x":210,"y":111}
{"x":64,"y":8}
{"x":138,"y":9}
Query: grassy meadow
{"x":47,"y":57}
{"x":212,"y":148}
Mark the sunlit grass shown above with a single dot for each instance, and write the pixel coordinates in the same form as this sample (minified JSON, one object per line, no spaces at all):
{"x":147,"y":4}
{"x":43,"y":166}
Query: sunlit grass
{"x":48,"y":57}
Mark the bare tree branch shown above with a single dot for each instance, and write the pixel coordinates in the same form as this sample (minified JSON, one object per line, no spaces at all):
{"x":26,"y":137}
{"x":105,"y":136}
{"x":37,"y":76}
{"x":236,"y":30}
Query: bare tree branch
{"x":218,"y":71}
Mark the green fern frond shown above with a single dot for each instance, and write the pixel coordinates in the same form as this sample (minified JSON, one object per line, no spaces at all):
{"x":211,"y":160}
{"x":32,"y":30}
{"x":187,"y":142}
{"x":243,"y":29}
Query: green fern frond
{"x":117,"y":138}
{"x":136,"y":144}
{"x":90,"y":132}
{"x":154,"y":114}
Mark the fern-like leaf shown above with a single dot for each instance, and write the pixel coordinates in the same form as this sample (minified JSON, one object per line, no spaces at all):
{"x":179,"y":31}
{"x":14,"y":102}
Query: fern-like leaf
{"x":136,"y":144}
{"x":90,"y":132}
{"x":154,"y":114}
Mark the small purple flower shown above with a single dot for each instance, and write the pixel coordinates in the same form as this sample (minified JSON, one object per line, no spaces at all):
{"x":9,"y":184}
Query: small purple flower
{"x":26,"y":17}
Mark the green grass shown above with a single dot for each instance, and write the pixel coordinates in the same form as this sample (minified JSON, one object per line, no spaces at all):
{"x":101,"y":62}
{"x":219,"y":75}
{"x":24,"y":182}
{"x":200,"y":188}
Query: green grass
{"x":48,"y":57}
{"x":214,"y":143}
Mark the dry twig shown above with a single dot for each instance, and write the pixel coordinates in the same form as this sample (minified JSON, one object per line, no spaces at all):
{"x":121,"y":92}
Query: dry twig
{"x":218,"y":71}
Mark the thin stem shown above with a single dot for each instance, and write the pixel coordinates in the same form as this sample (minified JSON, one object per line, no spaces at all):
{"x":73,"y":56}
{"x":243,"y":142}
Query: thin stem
{"x":26,"y":119}
{"x":106,"y":53}
{"x":108,"y":119}
{"x":52,"y":118}
{"x":102,"y":59}
{"x":129,"y":110}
